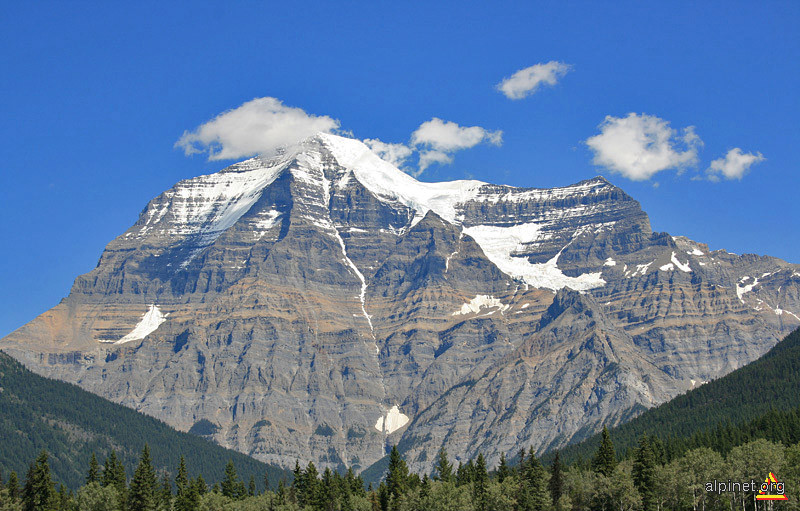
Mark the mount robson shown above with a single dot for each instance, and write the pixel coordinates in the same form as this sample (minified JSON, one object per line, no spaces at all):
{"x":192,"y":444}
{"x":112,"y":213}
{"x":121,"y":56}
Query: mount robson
{"x":321,"y":305}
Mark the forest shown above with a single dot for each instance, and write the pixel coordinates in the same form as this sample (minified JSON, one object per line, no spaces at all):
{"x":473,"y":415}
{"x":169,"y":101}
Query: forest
{"x":645,"y":479}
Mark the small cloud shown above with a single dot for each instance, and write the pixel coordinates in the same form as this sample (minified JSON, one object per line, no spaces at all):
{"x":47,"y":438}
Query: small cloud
{"x":257,"y":127}
{"x":396,"y":154}
{"x":733,"y":165}
{"x":429,"y":157}
{"x":527,"y":81}
{"x":437,"y":140}
{"x":447,"y":136}
{"x":640,"y":146}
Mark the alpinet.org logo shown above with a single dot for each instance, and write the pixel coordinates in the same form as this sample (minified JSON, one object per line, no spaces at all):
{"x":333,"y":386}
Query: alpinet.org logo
{"x":772,"y":489}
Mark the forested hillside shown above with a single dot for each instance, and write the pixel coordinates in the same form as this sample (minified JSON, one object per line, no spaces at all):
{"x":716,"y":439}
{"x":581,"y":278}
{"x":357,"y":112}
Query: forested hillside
{"x":744,"y":402}
{"x":71,"y":424}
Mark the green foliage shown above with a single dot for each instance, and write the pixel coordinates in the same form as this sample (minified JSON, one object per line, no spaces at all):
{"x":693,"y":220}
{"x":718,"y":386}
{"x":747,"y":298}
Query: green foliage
{"x":39,"y":493}
{"x":712,"y":414}
{"x":605,"y":459}
{"x":444,"y":469}
{"x":71,"y":424}
{"x":142,"y":492}
{"x":556,"y":484}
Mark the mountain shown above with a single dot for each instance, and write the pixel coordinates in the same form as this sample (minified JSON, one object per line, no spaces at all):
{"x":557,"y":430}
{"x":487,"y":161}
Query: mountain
{"x":38,"y":413}
{"x":744,"y":396}
{"x":320,"y":304}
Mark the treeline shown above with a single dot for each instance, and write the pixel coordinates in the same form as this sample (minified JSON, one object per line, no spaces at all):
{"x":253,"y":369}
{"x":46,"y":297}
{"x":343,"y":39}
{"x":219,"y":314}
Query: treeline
{"x":645,"y":481}
{"x":720,"y":409}
{"x":39,"y":413}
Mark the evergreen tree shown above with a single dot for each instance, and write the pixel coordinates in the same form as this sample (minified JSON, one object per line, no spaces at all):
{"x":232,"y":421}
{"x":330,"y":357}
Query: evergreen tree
{"x":114,"y":473}
{"x":186,"y":498}
{"x":13,"y":486}
{"x":481,"y":480}
{"x":556,"y":484}
{"x":644,"y":474}
{"x":199,"y":486}
{"x":502,"y":470}
{"x":280,"y":495}
{"x":142,"y":494}
{"x":165,"y":493}
{"x":94,"y":471}
{"x":251,"y":487}
{"x":605,"y":459}
{"x":397,"y":475}
{"x":63,"y":498}
{"x":308,"y":487}
{"x":231,"y":483}
{"x":443,"y":469}
{"x":533,"y":494}
{"x":39,"y":493}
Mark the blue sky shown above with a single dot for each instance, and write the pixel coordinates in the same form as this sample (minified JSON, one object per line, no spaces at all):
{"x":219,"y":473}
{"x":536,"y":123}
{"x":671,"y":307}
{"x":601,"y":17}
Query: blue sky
{"x":94,"y":97}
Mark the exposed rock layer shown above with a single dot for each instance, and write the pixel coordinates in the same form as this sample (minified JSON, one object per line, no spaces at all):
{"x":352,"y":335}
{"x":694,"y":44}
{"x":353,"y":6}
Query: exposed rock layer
{"x":295,"y":301}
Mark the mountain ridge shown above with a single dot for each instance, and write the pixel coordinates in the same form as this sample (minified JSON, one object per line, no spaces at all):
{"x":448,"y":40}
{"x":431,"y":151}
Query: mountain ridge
{"x":320,"y":289}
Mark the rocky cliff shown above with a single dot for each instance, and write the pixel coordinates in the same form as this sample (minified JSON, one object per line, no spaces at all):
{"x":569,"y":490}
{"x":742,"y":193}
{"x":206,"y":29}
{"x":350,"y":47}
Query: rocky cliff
{"x":321,"y":304}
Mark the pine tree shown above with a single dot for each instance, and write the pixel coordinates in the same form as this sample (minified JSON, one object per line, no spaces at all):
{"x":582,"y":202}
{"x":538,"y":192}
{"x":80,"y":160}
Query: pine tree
{"x":165,"y":493}
{"x":502,"y":470}
{"x":397,"y":475}
{"x":186,"y":498}
{"x":644,"y":474}
{"x":533,"y":494}
{"x":444,"y":469}
{"x":114,"y":473}
{"x":94,"y":471}
{"x":251,"y":487}
{"x":39,"y":493}
{"x":605,"y":460}
{"x":556,"y":484}
{"x":280,"y":495}
{"x":13,"y":486}
{"x":230,"y":484}
{"x":481,"y":479}
{"x":199,"y":486}
{"x":142,"y":492}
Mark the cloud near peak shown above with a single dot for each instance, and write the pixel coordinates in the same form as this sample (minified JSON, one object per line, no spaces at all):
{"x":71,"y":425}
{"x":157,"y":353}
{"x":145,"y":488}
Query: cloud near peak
{"x":258,"y":126}
{"x":638,"y":146}
{"x":527,"y":81}
{"x":734,"y":165}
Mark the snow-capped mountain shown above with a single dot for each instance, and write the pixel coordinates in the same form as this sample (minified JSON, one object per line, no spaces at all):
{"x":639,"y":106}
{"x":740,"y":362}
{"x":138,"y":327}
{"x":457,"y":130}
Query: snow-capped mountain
{"x":321,"y":304}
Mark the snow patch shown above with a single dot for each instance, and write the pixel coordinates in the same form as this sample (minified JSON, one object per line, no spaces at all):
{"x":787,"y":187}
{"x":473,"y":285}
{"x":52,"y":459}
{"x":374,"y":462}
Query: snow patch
{"x":481,"y":302}
{"x":610,"y":262}
{"x":696,"y":252}
{"x":667,"y":267}
{"x":502,"y":246}
{"x":682,"y":267}
{"x":641,"y":269}
{"x":147,"y":325}
{"x":391,"y":421}
{"x":741,"y":290}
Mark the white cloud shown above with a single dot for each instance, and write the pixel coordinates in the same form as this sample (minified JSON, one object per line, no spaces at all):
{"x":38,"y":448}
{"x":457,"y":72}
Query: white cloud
{"x":639,"y":146}
{"x":448,"y":137}
{"x":431,"y":156}
{"x":257,"y":127}
{"x":437,"y":140}
{"x":396,"y":154}
{"x":527,"y":81}
{"x":734,"y":165}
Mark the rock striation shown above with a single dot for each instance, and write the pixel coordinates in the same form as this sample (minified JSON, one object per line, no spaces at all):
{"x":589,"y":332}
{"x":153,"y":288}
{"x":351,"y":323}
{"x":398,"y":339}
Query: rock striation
{"x":320,"y":304}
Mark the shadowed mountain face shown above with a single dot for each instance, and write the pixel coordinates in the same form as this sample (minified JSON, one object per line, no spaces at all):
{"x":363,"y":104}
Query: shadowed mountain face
{"x":321,"y":305}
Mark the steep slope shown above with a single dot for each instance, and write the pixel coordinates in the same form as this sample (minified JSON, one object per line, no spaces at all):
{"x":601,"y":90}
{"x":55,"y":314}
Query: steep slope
{"x":37,"y":413}
{"x":744,"y":395}
{"x":321,"y":304}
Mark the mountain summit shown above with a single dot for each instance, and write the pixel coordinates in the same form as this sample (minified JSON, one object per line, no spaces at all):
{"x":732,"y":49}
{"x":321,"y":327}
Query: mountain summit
{"x":321,"y":304}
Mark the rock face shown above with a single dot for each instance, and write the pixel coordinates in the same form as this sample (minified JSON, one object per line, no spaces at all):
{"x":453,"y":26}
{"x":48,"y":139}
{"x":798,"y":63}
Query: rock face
{"x":322,"y":305}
